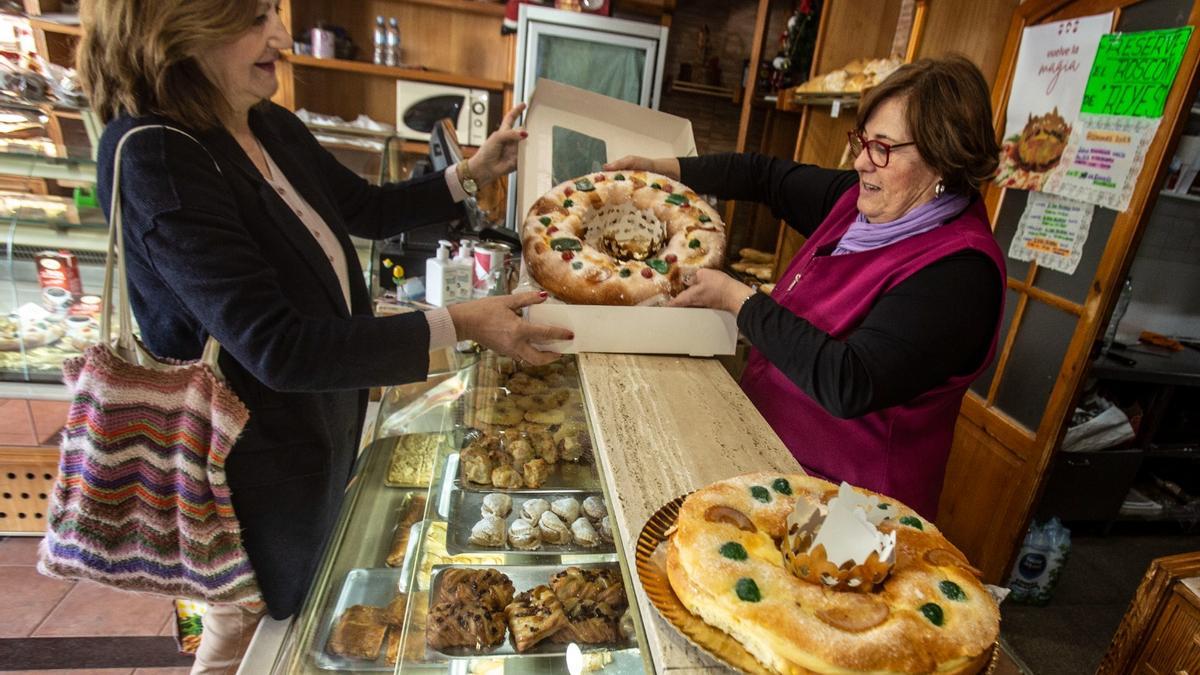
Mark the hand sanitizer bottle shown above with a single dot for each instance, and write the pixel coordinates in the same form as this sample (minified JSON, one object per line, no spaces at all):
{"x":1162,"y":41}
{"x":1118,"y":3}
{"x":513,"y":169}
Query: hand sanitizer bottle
{"x":381,"y":45}
{"x":393,"y":42}
{"x":436,"y":282}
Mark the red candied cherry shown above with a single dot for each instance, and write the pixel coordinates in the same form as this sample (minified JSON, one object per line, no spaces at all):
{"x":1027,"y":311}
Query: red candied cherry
{"x":568,"y":191}
{"x":647,"y":272}
{"x":567,"y":255}
{"x":671,"y":258}
{"x":668,"y":188}
{"x":552,"y":229}
{"x":600,"y":179}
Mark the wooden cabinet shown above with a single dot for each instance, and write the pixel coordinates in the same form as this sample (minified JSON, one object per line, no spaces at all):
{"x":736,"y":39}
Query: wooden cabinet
{"x":1160,"y":634}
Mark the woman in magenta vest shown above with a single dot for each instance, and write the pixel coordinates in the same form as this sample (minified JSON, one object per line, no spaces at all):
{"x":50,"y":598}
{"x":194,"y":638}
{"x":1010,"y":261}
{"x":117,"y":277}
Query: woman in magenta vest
{"x":864,"y":350}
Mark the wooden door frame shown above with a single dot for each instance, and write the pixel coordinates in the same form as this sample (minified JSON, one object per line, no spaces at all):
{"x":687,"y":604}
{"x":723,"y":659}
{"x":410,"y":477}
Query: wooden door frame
{"x":1037,"y":447}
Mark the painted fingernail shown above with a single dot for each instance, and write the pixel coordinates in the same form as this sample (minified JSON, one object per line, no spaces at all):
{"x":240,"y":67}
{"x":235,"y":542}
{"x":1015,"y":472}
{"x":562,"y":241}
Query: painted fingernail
{"x":524,"y":134}
{"x":571,"y":336}
{"x":543,"y":294}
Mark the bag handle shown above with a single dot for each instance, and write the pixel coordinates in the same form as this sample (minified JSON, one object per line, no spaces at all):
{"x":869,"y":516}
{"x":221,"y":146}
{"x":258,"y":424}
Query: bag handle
{"x":126,"y":344}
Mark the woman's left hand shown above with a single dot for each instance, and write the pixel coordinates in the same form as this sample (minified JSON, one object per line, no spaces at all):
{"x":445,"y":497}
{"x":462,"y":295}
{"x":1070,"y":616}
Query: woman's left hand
{"x":498,"y":154}
{"x":713,"y":289}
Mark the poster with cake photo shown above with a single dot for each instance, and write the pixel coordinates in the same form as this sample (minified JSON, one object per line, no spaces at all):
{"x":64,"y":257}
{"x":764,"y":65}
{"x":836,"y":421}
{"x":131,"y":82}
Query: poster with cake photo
{"x":1053,"y":64}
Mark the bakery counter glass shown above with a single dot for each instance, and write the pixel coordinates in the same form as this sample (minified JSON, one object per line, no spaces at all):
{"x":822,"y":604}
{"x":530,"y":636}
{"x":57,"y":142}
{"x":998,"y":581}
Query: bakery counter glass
{"x":475,"y":537}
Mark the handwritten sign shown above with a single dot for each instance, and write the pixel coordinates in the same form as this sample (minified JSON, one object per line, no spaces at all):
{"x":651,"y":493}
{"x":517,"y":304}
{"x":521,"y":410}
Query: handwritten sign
{"x":1101,"y":162}
{"x":1053,"y":63}
{"x":1133,"y":72}
{"x":1052,"y":232}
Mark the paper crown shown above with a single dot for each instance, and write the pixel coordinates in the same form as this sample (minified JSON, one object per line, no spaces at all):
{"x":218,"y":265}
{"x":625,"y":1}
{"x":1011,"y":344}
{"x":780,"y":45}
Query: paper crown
{"x":839,"y":545}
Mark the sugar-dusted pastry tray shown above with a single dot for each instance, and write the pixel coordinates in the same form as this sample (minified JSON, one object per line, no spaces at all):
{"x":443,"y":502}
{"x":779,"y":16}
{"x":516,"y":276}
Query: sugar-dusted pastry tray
{"x":523,"y":577}
{"x":374,"y":587}
{"x":466,"y":509}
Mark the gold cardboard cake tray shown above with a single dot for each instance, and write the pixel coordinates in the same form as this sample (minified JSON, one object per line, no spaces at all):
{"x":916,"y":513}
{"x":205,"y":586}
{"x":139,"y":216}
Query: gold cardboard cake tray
{"x":653,"y":575}
{"x":716,"y":643}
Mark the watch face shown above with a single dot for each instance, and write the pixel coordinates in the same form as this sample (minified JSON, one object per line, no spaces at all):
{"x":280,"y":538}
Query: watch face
{"x":470,"y":186}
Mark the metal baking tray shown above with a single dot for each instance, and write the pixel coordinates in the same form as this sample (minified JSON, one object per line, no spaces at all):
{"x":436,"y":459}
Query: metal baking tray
{"x":524,"y":577}
{"x":362,"y":586}
{"x":420,"y":476}
{"x":465,"y":511}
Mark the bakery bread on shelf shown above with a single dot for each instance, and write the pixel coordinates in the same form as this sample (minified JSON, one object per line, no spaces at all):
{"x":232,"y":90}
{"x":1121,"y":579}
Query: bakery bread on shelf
{"x":810,"y":578}
{"x":620,"y":238}
{"x":854,"y":77}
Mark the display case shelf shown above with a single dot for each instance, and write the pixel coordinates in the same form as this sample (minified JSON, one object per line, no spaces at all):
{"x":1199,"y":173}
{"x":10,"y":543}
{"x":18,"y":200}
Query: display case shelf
{"x":70,"y":169}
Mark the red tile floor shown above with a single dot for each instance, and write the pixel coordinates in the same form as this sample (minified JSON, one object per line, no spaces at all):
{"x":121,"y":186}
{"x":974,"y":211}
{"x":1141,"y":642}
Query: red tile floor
{"x":34,"y":606}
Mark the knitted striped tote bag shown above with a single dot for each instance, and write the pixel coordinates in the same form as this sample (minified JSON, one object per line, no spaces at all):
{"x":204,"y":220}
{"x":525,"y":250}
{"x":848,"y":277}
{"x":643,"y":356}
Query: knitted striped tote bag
{"x":141,"y":502}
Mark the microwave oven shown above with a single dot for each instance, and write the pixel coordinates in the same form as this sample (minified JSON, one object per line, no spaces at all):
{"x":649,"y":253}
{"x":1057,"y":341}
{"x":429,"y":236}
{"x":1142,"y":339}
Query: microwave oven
{"x":421,"y":105}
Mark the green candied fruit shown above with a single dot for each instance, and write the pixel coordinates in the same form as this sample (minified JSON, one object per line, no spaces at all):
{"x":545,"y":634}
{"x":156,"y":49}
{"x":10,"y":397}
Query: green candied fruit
{"x":695,"y":243}
{"x":934,"y":613}
{"x":619,"y":176}
{"x":625,"y":271}
{"x":704,"y":218}
{"x":952,"y":590}
{"x":677,"y":199}
{"x":576,"y":265}
{"x":760,"y":493}
{"x":656,"y":186}
{"x":584,"y":185}
{"x":885,"y":506}
{"x":545,"y":220}
{"x":566,"y":244}
{"x":733,"y":550}
{"x":568,"y":203}
{"x":912,"y":521}
{"x":782,"y":486}
{"x":747,"y":590}
{"x":659,"y":266}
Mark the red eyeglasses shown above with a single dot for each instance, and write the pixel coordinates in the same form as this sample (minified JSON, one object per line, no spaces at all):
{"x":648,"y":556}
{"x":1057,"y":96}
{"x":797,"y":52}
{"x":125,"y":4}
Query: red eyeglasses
{"x":877,"y":151}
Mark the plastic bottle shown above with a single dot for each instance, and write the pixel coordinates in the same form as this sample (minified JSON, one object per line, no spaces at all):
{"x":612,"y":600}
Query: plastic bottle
{"x":380,"y":41}
{"x":1114,"y":322}
{"x":393,"y":42}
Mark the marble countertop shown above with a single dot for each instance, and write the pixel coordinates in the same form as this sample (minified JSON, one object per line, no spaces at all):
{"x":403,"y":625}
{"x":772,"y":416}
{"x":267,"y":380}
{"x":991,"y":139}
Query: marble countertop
{"x":666,"y":426}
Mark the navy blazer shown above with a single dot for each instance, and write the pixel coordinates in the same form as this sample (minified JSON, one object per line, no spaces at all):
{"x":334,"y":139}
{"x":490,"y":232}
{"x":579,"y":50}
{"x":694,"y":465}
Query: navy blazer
{"x":213,"y":250}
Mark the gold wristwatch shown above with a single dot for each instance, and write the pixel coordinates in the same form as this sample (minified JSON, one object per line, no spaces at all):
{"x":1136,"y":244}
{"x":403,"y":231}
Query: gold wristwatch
{"x":464,"y":176}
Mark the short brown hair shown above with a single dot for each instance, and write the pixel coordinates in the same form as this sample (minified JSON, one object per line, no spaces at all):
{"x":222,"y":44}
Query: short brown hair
{"x":138,"y":57}
{"x":949,"y":114}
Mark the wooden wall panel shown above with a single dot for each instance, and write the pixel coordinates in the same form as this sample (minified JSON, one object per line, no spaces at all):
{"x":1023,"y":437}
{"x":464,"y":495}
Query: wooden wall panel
{"x":946,"y":31}
{"x":970,"y":519}
{"x":856,"y":29}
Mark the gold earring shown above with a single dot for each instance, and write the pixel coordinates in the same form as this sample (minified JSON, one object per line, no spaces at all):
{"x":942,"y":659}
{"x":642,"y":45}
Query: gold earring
{"x":939,"y":189}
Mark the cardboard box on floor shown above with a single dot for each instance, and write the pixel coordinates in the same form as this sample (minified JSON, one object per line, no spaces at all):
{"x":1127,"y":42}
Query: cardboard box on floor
{"x":624,"y":129}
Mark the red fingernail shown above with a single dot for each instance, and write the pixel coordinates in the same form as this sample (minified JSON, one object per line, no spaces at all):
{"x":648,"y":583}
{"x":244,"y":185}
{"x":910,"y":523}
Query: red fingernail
{"x":571,"y":336}
{"x":524,"y":134}
{"x":543,"y":294}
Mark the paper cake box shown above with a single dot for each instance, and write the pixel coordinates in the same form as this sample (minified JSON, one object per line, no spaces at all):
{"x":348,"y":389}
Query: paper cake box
{"x":573,"y":132}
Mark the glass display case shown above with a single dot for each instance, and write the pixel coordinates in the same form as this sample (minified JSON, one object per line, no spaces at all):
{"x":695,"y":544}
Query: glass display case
{"x":476,"y":486}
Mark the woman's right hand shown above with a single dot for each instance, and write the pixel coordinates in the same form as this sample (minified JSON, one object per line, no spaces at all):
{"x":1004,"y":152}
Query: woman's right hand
{"x":667,"y":166}
{"x":496,"y":323}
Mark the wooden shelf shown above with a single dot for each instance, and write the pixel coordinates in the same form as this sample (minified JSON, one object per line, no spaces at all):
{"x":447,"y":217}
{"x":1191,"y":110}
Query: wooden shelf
{"x":56,"y":27}
{"x":471,"y":6}
{"x":364,"y":68}
{"x":680,"y":86}
{"x":1183,"y":197}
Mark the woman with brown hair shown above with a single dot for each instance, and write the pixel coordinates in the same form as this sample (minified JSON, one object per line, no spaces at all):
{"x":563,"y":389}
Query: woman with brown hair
{"x":863,"y":352}
{"x":239,"y":228}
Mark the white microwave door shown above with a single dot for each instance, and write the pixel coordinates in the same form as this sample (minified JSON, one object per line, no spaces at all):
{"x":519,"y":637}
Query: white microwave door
{"x":619,"y":66}
{"x":420,"y":116}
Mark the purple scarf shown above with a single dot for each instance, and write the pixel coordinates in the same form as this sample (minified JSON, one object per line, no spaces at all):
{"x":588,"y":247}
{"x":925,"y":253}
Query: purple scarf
{"x":864,"y":236}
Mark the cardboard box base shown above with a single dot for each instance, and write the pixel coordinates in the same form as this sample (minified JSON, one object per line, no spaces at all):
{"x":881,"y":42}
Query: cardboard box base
{"x":639,"y":330}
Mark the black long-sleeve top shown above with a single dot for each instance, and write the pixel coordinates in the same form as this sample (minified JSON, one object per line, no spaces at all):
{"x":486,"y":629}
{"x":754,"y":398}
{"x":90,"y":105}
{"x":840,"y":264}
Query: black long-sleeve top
{"x":936,"y":324}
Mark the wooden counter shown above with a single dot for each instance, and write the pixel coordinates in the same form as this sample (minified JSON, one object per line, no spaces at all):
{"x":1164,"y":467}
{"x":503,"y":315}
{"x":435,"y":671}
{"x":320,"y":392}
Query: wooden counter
{"x":665,"y":426}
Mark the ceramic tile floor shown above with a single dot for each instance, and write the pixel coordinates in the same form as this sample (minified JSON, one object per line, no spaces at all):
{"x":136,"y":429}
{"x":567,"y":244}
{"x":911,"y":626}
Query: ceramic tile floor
{"x":33,"y":606}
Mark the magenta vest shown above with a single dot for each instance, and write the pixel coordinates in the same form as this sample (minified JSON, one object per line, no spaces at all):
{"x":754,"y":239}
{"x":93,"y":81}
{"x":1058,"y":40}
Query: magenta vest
{"x":900,"y":451}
